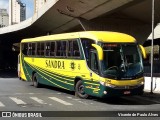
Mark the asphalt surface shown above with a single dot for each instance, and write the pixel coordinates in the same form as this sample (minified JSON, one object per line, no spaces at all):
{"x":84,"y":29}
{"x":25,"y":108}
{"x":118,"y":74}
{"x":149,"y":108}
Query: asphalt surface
{"x":17,"y":95}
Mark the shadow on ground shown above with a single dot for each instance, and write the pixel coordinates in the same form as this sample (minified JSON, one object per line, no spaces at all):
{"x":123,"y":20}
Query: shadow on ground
{"x":145,"y":99}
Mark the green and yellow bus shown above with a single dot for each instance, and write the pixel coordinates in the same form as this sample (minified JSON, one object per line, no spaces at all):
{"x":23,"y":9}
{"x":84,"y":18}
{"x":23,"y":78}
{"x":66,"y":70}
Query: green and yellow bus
{"x":92,"y":63}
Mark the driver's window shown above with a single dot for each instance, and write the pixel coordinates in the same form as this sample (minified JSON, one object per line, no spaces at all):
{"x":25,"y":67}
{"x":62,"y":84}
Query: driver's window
{"x":94,"y":62}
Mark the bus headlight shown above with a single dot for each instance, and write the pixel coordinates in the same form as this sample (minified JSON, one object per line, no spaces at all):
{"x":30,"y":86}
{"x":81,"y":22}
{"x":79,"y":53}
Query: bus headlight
{"x":142,"y":82}
{"x":106,"y":84}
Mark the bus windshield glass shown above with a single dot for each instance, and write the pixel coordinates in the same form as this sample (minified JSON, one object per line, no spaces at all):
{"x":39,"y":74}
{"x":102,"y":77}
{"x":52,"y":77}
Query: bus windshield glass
{"x":121,"y":61}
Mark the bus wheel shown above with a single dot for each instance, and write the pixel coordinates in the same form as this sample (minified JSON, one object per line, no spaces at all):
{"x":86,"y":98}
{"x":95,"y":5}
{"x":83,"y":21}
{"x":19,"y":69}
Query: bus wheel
{"x":35,"y":81}
{"x":79,"y":90}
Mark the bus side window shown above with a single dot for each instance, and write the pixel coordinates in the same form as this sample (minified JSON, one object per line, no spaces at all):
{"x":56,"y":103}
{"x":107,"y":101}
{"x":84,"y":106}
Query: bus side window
{"x":52,"y":49}
{"x":42,"y":49}
{"x":94,"y":62}
{"x":70,"y":48}
{"x":24,"y":48}
{"x":29,"y":48}
{"x":76,"y":52}
{"x":58,"y":51}
{"x":33,"y":48}
{"x":63,"y":48}
{"x":38,"y":48}
{"x":48,"y":48}
{"x":87,"y":46}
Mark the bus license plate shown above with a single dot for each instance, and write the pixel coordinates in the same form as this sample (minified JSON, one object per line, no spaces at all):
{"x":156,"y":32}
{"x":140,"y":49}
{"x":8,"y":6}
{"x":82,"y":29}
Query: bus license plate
{"x":127,"y":92}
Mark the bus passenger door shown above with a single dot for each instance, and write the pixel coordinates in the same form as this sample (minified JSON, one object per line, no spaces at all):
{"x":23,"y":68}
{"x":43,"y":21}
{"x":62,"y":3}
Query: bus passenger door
{"x":94,"y":73}
{"x":94,"y":62}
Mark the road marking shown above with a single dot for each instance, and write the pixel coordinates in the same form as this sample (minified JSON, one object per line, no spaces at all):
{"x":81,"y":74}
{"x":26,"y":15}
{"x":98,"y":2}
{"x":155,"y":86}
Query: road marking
{"x":69,"y":97}
{"x":1,"y":104}
{"x":73,"y":98}
{"x":18,"y":101}
{"x":78,"y":100}
{"x":60,"y":101}
{"x":31,"y":93}
{"x":38,"y":100}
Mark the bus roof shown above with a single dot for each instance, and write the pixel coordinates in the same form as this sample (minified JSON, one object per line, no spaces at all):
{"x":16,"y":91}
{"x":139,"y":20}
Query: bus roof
{"x":103,"y":36}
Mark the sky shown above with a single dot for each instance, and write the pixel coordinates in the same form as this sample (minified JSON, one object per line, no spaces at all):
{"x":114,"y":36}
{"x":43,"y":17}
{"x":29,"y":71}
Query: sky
{"x":29,"y":6}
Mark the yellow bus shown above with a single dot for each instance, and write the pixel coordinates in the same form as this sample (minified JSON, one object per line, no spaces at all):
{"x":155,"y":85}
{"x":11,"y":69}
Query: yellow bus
{"x":95,"y":63}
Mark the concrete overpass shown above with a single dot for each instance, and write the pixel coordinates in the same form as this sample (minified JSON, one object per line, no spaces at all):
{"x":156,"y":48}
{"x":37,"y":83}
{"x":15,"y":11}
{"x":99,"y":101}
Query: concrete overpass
{"x":56,"y":16}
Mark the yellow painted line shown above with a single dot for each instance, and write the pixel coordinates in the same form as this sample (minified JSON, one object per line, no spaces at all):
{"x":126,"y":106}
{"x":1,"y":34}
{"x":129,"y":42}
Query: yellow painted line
{"x":95,"y":89}
{"x":91,"y":83}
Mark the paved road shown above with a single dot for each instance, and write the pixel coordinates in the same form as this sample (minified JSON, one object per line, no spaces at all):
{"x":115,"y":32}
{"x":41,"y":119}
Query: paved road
{"x":21,"y":95}
{"x":17,"y":95}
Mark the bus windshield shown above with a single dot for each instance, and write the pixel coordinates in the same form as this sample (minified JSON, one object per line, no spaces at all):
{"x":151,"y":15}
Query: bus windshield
{"x":121,"y":61}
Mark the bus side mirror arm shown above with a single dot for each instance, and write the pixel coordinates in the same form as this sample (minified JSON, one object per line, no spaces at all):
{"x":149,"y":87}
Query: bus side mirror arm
{"x":99,"y":51}
{"x":143,"y":51}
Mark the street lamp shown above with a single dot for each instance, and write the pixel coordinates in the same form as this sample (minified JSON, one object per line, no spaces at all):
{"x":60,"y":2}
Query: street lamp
{"x":153,"y":5}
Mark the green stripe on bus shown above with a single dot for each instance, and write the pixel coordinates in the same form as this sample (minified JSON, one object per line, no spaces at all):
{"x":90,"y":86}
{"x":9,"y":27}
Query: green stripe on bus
{"x":28,"y":77}
{"x":45,"y":77}
{"x":53,"y":74}
{"x":44,"y":72}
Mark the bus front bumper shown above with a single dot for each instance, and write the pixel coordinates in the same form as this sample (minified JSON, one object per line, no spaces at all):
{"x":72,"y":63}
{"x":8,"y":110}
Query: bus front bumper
{"x":106,"y":91}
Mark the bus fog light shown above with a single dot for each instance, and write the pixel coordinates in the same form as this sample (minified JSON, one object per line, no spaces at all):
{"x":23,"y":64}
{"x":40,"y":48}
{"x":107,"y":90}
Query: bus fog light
{"x":142,"y":83}
{"x":105,"y":92}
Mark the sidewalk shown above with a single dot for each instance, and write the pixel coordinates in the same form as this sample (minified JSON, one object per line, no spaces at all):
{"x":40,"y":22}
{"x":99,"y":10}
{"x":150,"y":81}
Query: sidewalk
{"x":155,"y":85}
{"x":156,"y":90}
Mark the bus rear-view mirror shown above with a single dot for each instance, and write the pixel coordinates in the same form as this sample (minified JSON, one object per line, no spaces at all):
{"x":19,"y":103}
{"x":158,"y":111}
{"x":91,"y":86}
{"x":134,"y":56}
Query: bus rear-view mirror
{"x":143,"y":51}
{"x":99,"y":51}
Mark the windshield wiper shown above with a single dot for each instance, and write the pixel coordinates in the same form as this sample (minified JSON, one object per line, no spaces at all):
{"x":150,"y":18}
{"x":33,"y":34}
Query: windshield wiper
{"x":122,"y":58}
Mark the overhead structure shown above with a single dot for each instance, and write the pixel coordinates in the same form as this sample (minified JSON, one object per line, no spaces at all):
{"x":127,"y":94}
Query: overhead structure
{"x":128,"y":16}
{"x":58,"y":16}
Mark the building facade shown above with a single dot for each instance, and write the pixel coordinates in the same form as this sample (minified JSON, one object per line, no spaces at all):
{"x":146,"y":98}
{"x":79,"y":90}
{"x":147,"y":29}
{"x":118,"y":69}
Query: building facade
{"x":4,"y":18}
{"x":38,"y":4}
{"x":17,"y":12}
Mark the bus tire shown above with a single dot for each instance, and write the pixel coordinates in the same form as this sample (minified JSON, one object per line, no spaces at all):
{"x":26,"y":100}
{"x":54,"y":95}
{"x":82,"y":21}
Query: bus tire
{"x":35,"y":81}
{"x":79,"y":90}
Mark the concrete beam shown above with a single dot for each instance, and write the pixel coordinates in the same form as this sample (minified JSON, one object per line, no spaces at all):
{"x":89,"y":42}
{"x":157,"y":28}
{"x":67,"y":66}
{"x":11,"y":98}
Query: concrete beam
{"x":50,"y":20}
